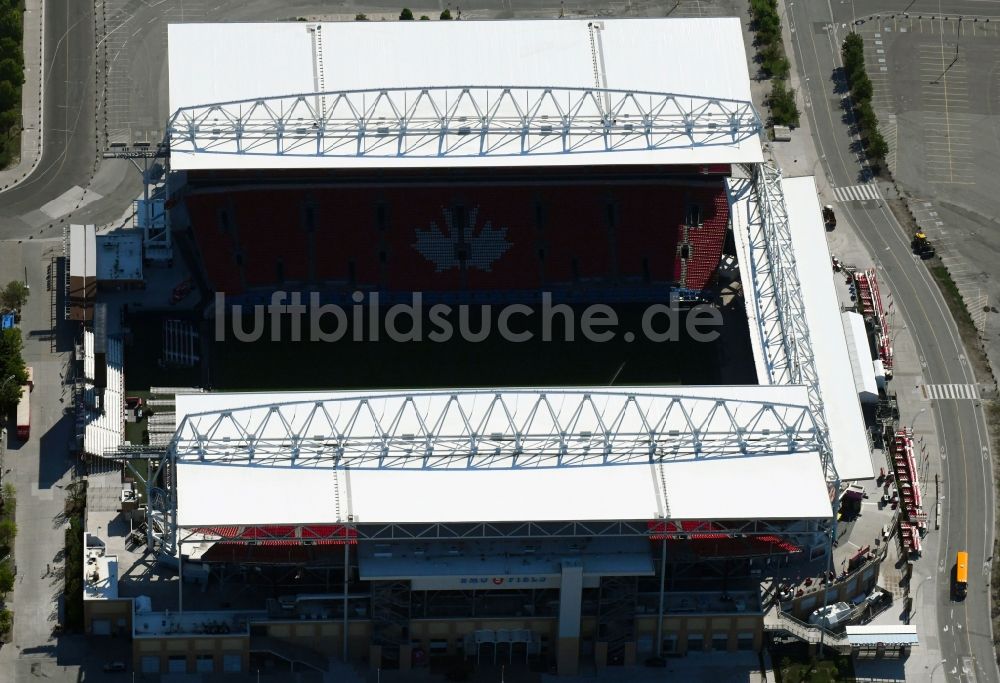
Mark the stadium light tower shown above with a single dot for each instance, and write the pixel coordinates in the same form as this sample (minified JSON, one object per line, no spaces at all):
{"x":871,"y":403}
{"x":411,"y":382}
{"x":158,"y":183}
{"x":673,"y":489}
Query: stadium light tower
{"x":155,"y":227}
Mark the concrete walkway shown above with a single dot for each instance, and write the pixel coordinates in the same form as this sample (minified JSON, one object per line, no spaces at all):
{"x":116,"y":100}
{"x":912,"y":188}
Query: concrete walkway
{"x":31,"y":96}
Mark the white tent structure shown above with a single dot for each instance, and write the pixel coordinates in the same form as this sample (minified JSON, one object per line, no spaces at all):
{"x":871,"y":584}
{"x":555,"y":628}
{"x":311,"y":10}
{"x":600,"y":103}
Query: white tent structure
{"x":861,"y":357}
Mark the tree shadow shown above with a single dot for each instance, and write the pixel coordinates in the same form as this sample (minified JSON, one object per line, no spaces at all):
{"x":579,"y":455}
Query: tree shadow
{"x":839,"y":78}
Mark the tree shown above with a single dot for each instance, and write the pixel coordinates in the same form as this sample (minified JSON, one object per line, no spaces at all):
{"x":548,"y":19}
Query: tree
{"x":8,"y":530}
{"x":6,"y":578}
{"x":866,"y":116}
{"x":360,"y":17}
{"x":783,"y":108}
{"x":778,"y":67}
{"x":11,"y":48}
{"x":10,"y":24}
{"x":14,"y":295}
{"x":9,"y":119}
{"x":853,"y":53}
{"x":406,"y":15}
{"x":424,"y":17}
{"x":446,"y":15}
{"x":8,"y":95}
{"x":6,"y":623}
{"x":877,"y":146}
{"x":769,"y":30}
{"x":13,"y":374}
{"x":853,"y":45}
{"x":861,"y":88}
{"x":9,"y":497}
{"x":768,"y":55}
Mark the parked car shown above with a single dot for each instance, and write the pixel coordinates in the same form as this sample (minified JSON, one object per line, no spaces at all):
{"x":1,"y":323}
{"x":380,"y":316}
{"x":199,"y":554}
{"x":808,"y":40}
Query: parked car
{"x":829,"y":217}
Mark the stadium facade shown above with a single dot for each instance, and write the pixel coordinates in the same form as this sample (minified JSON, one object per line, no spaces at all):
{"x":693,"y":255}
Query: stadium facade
{"x":615,"y":160}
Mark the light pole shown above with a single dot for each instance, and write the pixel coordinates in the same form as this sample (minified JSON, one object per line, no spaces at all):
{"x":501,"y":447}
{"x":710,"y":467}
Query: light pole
{"x":914,"y":420}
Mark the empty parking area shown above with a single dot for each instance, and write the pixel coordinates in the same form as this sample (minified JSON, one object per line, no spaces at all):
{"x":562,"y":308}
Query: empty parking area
{"x":937,"y":93}
{"x":937,"y":96}
{"x":948,"y":142}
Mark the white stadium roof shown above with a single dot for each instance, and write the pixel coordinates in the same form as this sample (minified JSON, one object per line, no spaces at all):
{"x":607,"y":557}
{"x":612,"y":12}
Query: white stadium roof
{"x":768,"y":485}
{"x":741,"y":488}
{"x":223,"y":63}
{"x":849,"y":441}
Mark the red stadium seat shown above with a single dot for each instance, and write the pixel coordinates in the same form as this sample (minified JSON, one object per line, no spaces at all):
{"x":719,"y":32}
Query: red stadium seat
{"x":454,"y":237}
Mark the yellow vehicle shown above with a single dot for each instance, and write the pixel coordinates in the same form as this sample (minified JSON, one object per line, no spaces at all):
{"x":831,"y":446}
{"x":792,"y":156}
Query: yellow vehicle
{"x":961,"y":583}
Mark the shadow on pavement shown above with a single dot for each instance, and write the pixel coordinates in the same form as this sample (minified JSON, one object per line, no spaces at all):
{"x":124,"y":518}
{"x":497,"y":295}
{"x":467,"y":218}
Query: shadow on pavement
{"x":53,"y":452}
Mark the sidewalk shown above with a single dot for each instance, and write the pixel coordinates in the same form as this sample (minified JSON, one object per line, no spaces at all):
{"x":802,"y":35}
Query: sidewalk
{"x":31,"y":96}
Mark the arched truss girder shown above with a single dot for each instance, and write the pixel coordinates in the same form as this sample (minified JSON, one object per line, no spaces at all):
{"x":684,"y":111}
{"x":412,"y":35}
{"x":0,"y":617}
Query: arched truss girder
{"x":461,"y":121}
{"x":489,"y":429}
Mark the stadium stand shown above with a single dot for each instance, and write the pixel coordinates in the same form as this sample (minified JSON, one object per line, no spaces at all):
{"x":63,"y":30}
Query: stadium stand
{"x":277,"y":252}
{"x":703,"y":234}
{"x":347,"y":246}
{"x":462,"y":237}
{"x":647,"y":232}
{"x":217,"y":241}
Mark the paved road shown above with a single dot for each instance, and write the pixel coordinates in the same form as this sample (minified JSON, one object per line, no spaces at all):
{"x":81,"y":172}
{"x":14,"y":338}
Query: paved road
{"x":965,"y":638}
{"x":69,"y":148}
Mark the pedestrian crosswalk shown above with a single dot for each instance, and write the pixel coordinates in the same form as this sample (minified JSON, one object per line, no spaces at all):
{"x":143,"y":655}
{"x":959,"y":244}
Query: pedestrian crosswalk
{"x":949,"y":391}
{"x":857,"y":193}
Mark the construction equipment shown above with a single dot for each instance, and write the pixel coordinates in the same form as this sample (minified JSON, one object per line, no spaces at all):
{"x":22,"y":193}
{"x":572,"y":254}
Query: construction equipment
{"x":922,"y":246}
{"x":829,"y":218}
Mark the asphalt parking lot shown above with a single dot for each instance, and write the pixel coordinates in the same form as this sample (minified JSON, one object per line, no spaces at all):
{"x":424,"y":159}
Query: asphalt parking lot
{"x":937,"y":85}
{"x":134,"y":43}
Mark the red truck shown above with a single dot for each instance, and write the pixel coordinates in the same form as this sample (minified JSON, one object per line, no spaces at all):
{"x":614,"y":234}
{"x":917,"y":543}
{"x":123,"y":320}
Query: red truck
{"x":24,"y":414}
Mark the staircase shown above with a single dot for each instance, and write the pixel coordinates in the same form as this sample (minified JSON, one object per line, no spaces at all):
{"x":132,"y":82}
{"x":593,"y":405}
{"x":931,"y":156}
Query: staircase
{"x":390,"y":618}
{"x":290,"y":652}
{"x":616,"y":615}
{"x":684,"y":243}
{"x":776,"y":621}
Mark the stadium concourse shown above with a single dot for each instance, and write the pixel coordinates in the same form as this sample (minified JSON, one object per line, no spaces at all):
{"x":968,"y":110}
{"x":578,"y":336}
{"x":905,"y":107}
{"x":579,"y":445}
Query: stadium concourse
{"x":553,"y":528}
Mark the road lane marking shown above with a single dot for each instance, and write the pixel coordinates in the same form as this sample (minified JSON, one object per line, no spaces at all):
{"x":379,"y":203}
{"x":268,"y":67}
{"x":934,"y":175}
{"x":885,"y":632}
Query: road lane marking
{"x":940,"y":392}
{"x":855,"y":193}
